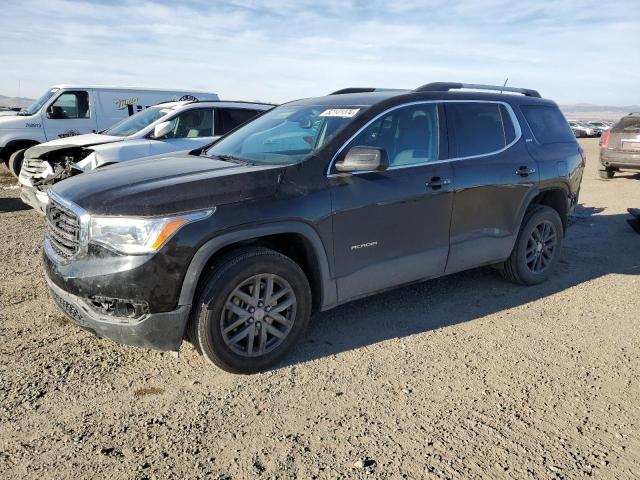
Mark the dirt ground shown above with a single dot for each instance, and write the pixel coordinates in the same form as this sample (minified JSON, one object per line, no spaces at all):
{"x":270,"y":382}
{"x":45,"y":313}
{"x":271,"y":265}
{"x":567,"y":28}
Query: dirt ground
{"x":463,"y":377}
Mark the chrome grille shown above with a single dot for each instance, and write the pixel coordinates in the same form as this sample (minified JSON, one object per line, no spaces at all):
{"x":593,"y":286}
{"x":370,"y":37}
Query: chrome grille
{"x":63,"y":230}
{"x":32,"y":167}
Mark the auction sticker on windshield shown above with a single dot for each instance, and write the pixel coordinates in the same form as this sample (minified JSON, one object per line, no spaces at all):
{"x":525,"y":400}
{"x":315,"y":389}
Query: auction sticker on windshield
{"x":340,"y":112}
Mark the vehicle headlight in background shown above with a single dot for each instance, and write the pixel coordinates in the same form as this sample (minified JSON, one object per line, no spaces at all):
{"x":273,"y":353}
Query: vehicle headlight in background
{"x":139,"y":235}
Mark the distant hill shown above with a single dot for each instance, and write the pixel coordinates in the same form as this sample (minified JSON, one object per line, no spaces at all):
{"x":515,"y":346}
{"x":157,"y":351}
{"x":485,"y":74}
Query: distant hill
{"x":587,"y":111}
{"x":15,"y":101}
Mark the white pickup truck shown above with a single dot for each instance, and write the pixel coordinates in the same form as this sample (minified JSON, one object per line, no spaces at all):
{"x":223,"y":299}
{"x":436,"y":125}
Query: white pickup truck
{"x":67,"y":110}
{"x":161,"y":129}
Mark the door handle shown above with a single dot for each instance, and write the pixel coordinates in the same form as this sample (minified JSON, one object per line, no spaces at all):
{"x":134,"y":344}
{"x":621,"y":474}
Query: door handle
{"x":525,"y":171}
{"x":436,"y":183}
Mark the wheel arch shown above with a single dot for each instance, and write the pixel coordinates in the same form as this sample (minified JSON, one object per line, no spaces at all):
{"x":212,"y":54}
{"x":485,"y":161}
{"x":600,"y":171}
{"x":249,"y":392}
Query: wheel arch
{"x":299,"y":241}
{"x":17,"y":144}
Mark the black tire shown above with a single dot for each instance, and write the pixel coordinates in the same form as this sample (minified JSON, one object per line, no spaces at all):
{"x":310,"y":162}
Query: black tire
{"x":15,"y":161}
{"x":606,"y":174}
{"x":518,"y":267}
{"x":210,"y":312}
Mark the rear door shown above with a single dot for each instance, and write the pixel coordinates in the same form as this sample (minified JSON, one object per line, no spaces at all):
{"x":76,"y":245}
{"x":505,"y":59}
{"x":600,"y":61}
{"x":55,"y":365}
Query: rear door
{"x":624,"y":137}
{"x":493,"y":173}
{"x":70,"y":113}
{"x":392,"y":227}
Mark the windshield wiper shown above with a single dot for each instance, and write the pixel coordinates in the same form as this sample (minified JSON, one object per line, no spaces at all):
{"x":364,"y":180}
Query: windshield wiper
{"x":231,"y":158}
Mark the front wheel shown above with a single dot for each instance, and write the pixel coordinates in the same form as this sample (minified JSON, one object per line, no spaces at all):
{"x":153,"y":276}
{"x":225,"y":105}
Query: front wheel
{"x":253,"y":308}
{"x":537,"y":249}
{"x":15,"y":161}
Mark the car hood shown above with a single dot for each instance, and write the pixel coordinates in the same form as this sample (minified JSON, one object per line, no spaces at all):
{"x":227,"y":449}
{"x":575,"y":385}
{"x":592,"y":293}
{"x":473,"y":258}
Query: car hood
{"x":76,"y":141}
{"x":167,"y":185}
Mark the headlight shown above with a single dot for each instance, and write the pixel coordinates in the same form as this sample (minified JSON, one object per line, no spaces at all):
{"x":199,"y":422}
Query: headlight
{"x":139,"y":235}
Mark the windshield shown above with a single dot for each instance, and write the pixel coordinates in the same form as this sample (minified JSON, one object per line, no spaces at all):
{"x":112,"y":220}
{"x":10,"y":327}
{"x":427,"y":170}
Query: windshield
{"x":137,"y":122}
{"x":37,"y":105}
{"x":285,"y":135}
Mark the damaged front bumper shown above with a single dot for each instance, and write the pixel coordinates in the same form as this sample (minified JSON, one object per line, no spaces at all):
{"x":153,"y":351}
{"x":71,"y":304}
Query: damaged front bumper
{"x":117,"y":297}
{"x":35,"y":198}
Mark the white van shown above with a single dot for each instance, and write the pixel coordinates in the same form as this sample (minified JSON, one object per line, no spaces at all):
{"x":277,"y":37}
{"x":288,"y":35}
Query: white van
{"x":158,"y":130}
{"x":67,"y":110}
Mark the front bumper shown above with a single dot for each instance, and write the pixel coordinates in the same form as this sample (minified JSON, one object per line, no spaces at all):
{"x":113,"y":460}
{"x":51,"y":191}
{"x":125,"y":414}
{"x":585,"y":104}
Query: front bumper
{"x":35,"y":198}
{"x":160,"y":331}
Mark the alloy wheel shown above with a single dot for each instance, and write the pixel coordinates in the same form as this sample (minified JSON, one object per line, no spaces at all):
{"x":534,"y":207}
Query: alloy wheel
{"x":541,"y":247}
{"x":258,"y":315}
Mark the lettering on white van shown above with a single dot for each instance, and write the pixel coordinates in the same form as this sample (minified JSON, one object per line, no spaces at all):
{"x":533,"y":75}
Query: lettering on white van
{"x":33,"y":125}
{"x":69,"y":133}
{"x":123,"y":103}
{"x":364,"y":245}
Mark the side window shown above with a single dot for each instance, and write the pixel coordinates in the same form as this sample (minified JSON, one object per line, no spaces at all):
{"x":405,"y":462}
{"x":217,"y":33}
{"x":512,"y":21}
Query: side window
{"x":548,"y":124}
{"x":192,"y":124}
{"x":229,"y":118}
{"x":70,"y":105}
{"x":478,"y":128}
{"x":408,"y":134}
{"x":507,"y":123}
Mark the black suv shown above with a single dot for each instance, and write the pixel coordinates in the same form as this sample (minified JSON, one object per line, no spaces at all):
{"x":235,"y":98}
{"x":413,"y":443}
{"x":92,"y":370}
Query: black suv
{"x":313,"y":204}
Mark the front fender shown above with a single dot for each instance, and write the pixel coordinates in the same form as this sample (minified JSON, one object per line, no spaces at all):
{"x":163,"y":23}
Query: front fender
{"x":328,"y":291}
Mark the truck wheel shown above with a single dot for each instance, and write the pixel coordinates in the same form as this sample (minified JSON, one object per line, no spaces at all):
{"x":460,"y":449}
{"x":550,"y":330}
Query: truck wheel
{"x":253,"y":307}
{"x":537,"y":249}
{"x":15,"y":161}
{"x":606,"y":174}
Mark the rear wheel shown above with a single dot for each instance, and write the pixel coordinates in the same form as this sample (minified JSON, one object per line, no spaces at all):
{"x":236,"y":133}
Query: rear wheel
{"x":15,"y":161}
{"x":607,"y":173}
{"x":252,"y":309}
{"x":537,"y":249}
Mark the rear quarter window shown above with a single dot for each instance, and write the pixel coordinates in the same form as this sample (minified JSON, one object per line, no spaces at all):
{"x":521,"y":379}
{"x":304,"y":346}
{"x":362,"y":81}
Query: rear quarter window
{"x":548,"y":124}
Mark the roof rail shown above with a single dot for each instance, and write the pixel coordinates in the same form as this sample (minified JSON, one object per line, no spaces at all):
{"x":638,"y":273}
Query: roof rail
{"x":446,"y":86}
{"x":365,"y":90}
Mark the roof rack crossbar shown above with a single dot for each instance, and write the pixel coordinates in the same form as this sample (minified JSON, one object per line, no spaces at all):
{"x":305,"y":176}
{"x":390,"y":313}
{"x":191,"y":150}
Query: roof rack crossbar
{"x":446,"y":86}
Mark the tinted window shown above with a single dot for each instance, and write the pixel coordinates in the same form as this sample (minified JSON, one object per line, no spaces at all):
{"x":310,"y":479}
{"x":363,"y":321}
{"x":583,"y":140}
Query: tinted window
{"x":477,"y":128}
{"x":509,"y":129}
{"x":408,"y":134}
{"x":71,"y":105}
{"x":628,"y":124}
{"x":548,"y":124}
{"x":229,"y":118}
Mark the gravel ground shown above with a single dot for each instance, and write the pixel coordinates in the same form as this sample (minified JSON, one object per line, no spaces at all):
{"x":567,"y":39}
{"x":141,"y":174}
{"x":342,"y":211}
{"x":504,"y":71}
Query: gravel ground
{"x":465,"y":376}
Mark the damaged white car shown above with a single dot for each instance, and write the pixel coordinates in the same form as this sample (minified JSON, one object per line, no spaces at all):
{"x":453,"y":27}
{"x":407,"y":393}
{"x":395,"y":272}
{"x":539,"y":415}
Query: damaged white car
{"x":165,"y":128}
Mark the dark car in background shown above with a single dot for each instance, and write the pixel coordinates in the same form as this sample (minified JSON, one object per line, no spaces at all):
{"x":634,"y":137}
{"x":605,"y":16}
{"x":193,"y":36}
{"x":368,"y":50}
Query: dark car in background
{"x":620,"y":147}
{"x":314,"y":204}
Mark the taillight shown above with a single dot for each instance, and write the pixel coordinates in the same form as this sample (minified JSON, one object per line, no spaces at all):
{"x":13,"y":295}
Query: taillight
{"x":604,"y":139}
{"x":583,"y":155}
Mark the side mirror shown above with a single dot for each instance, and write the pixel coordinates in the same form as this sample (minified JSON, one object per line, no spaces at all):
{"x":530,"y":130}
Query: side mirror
{"x":364,"y":159}
{"x":162,"y":129}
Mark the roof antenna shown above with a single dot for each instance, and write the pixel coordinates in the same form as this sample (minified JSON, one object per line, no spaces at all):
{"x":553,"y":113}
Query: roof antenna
{"x":505,"y":83}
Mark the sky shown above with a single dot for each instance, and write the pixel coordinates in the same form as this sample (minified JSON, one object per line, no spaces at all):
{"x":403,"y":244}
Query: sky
{"x":572,"y":51}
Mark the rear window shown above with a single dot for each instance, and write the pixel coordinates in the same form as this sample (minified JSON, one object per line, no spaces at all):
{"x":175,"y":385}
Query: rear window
{"x":479,"y":128}
{"x":548,"y":124}
{"x":628,"y":124}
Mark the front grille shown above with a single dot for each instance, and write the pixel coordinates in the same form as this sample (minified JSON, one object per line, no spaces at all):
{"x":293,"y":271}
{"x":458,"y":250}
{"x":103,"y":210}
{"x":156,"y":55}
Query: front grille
{"x":32,"y":167}
{"x":63,"y":230}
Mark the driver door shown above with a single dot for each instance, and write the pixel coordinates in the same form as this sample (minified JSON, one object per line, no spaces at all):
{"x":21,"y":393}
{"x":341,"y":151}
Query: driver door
{"x":190,"y":130}
{"x":392,"y":227}
{"x":71,"y":113}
